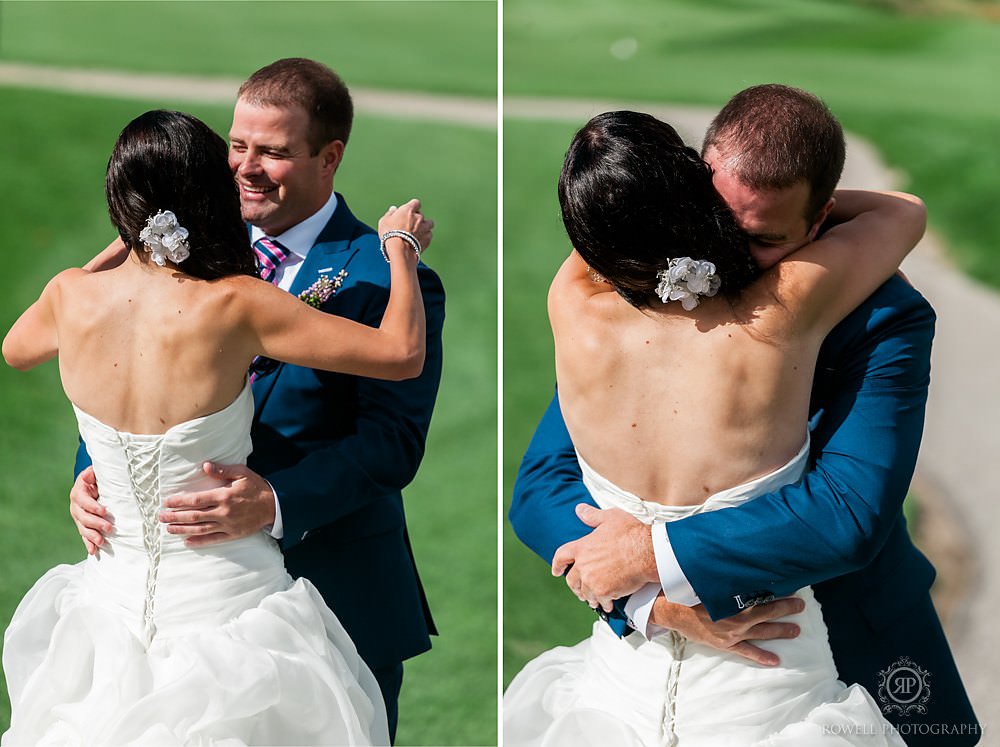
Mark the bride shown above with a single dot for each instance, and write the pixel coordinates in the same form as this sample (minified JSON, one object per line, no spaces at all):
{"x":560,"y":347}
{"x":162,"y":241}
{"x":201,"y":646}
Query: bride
{"x":684,"y":380}
{"x":150,"y":642}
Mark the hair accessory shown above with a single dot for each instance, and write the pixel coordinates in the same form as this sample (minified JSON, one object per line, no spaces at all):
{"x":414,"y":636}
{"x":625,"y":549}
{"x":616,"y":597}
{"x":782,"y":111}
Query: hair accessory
{"x":687,"y":280}
{"x":165,"y":238}
{"x":406,"y":236}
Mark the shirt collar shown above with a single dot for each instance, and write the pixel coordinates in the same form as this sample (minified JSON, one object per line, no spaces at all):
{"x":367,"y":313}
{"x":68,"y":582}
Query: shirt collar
{"x":299,"y":238}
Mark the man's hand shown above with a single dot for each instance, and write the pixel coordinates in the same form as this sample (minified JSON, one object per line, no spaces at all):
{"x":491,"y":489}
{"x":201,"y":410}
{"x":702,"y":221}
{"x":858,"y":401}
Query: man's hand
{"x":733,"y":633}
{"x":613,"y":561}
{"x":91,"y":517}
{"x":241,"y":506}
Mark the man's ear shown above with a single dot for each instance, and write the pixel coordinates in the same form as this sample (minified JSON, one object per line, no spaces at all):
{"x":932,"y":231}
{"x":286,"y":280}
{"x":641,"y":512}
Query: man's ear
{"x":330,"y":157}
{"x":821,"y":218}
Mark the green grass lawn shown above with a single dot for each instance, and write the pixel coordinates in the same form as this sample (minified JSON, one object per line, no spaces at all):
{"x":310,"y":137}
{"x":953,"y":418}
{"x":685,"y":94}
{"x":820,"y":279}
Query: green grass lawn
{"x":54,"y":155}
{"x":448,"y":46}
{"x":922,"y":87}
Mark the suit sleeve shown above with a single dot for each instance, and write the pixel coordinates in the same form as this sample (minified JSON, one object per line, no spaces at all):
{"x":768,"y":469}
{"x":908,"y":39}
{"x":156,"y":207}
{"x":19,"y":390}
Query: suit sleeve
{"x":864,"y":441}
{"x":548,"y":487}
{"x":382,"y":454}
{"x":83,"y":460}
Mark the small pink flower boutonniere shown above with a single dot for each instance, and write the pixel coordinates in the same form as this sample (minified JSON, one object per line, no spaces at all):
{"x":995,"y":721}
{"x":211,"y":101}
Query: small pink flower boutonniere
{"x":323,"y":289}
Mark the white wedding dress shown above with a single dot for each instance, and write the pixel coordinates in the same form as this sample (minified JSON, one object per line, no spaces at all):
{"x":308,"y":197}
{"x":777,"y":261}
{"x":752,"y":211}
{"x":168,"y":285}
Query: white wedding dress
{"x":630,"y":692}
{"x":150,"y":642}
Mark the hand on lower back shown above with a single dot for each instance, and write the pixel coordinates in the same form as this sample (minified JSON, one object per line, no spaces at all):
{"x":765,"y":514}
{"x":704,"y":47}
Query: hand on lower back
{"x":732,"y":634}
{"x":91,"y":517}
{"x":242,"y":505}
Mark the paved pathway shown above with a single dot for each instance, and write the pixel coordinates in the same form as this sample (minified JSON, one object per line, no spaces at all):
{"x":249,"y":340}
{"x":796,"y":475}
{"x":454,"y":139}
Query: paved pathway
{"x":463,"y":110}
{"x":959,"y":453}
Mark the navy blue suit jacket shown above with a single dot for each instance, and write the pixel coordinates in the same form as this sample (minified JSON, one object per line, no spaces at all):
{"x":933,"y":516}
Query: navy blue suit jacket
{"x":339,"y":449}
{"x":840,"y":529}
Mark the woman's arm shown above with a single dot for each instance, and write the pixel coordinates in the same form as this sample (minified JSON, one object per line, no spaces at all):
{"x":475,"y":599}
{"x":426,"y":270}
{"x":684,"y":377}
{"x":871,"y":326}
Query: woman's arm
{"x":285,"y":328}
{"x":109,"y":258}
{"x":825,"y":280}
{"x":33,"y":338}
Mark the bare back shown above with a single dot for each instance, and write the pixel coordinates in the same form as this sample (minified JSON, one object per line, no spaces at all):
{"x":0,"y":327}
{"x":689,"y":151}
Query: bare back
{"x":676,"y":405}
{"x":673,"y":405}
{"x":143,"y":348}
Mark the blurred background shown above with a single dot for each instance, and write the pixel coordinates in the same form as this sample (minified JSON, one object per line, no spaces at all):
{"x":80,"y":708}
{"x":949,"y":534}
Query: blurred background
{"x":915,"y":82}
{"x":438,"y":142}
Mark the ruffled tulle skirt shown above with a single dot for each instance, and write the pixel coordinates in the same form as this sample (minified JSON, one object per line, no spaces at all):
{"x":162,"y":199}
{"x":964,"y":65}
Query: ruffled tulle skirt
{"x":282,"y":672}
{"x":669,"y":691}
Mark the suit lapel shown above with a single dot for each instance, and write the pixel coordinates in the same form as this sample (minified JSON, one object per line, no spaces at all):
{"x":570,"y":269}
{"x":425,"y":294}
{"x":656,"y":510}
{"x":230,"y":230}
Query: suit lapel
{"x":327,"y":256}
{"x":334,"y":239}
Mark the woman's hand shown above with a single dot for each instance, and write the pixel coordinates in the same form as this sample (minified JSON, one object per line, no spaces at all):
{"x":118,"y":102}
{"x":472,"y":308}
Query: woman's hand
{"x":406,"y":217}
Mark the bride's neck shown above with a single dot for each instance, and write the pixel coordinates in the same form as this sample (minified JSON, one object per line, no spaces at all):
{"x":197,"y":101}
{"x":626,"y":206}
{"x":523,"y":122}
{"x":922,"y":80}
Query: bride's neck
{"x":139,"y":261}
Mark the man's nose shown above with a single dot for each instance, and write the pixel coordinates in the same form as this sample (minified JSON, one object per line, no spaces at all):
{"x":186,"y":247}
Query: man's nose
{"x":249,"y":164}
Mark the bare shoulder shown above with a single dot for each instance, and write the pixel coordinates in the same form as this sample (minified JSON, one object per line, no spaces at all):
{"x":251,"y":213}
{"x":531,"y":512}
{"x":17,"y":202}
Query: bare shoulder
{"x":576,"y":291}
{"x":772,"y":304}
{"x":67,"y":279}
{"x":66,"y":285}
{"x":242,"y":299}
{"x":240,"y":291}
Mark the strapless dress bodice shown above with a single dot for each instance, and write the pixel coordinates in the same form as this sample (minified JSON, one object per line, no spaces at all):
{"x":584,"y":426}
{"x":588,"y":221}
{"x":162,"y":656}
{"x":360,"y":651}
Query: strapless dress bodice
{"x":609,"y":495}
{"x":153,"y":642}
{"x":136,"y":471}
{"x":148,"y":575}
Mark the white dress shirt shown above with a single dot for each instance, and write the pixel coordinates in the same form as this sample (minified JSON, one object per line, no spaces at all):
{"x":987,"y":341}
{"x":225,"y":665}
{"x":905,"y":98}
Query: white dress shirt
{"x":298,"y":240}
{"x":673,"y":583}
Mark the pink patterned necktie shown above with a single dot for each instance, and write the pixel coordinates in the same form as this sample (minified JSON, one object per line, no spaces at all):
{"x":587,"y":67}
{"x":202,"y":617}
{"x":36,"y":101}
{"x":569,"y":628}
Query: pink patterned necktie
{"x":270,"y":255}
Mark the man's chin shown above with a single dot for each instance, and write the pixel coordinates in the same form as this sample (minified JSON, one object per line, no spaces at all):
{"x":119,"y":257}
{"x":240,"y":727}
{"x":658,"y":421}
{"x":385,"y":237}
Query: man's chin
{"x":253,"y":215}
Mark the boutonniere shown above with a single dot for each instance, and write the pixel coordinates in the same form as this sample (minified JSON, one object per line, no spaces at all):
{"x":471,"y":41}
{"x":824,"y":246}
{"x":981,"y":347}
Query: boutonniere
{"x":323,"y":289}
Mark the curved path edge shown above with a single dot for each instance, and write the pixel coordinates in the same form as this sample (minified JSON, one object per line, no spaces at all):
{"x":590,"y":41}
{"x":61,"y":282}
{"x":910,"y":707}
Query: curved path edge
{"x":461,"y":110}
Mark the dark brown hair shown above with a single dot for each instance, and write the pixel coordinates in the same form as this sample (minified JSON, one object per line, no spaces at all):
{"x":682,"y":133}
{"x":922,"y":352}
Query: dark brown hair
{"x":167,"y":160}
{"x":633,"y":196}
{"x":773,"y":136}
{"x":311,"y":85}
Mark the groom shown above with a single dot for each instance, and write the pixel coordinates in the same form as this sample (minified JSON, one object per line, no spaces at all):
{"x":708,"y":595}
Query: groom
{"x":777,"y":153}
{"x":331,"y":452}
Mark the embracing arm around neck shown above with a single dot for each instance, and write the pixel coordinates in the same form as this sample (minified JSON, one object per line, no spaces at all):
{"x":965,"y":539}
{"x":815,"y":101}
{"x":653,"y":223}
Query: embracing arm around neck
{"x":824,"y":281}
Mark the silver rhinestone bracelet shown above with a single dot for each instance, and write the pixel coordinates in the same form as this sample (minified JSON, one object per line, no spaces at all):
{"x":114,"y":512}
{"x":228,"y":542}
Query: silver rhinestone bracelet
{"x":406,"y":236}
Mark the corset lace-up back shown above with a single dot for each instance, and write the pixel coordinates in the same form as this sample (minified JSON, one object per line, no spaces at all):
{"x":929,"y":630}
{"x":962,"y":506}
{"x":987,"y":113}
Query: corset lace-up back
{"x":144,"y":476}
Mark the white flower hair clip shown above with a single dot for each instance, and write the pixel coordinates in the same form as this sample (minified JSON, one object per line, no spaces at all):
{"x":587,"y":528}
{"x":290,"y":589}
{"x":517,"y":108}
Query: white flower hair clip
{"x":165,"y":238}
{"x":687,"y":280}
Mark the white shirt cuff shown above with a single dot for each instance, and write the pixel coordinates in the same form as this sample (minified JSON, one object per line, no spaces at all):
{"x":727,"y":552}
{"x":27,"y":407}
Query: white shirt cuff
{"x":639,"y":607}
{"x":278,"y":527}
{"x":676,"y":587}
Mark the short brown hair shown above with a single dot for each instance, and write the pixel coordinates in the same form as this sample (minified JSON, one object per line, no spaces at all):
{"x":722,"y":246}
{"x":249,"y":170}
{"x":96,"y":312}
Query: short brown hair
{"x":296,"y":81}
{"x":774,"y":136}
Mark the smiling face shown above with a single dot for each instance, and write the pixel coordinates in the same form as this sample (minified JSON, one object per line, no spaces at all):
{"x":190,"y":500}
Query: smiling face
{"x":281,"y":181}
{"x":774,"y":219}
